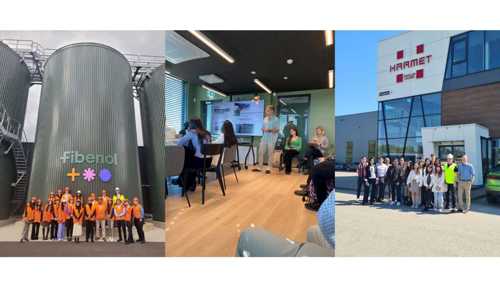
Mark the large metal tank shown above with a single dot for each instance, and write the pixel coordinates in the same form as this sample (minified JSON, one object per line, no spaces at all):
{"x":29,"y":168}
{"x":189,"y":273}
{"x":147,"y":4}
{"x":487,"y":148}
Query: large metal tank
{"x":86,"y":133}
{"x":152,"y":99}
{"x":14,"y":87}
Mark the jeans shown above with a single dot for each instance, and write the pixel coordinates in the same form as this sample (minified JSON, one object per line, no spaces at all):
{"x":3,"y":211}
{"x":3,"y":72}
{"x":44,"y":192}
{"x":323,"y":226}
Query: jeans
{"x":61,"y":229}
{"x":26,"y":230}
{"x":53,"y":230}
{"x":130,"y":236}
{"x":360,"y":184}
{"x":35,"y":228}
{"x":452,"y":190}
{"x":139,"y":223}
{"x":89,"y":230}
{"x":399,"y":190}
{"x":438,"y":200}
{"x":381,"y":189}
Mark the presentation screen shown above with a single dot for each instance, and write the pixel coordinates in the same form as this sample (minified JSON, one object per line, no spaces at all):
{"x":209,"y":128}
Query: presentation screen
{"x":246,"y":116}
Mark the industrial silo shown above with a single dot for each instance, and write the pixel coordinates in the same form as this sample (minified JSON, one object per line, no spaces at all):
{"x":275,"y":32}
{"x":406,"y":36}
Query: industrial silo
{"x":86,"y":133}
{"x":152,"y":99}
{"x":14,"y":88}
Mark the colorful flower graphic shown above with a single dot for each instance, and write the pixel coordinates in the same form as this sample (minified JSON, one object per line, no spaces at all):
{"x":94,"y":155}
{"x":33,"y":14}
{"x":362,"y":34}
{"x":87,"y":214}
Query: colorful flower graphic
{"x":89,"y":174}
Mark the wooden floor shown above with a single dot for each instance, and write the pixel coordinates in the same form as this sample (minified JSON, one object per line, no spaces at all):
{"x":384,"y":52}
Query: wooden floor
{"x":260,"y":200}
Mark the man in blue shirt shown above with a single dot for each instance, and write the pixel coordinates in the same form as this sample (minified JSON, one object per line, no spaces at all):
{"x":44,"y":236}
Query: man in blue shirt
{"x":466,"y":175}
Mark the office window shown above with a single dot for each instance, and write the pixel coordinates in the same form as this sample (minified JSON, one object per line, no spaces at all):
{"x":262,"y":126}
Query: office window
{"x":400,"y":135}
{"x":475,"y":54}
{"x":459,"y":62}
{"x":175,"y":102}
{"x":348,"y":152}
{"x":492,"y":41}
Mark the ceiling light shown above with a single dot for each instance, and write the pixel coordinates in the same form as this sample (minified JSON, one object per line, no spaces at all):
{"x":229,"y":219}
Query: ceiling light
{"x":328,"y":37}
{"x":212,"y":45}
{"x":211,"y":79}
{"x":253,"y":72}
{"x":257,"y":81}
{"x":213,"y":90}
{"x":330,"y":78}
{"x":295,"y":112}
{"x":285,"y":77}
{"x":289,"y":61}
{"x":282,"y":102}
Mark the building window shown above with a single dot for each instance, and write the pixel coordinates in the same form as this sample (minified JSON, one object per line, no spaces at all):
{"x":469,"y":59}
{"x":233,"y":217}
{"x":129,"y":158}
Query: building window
{"x":348,"y":152}
{"x":401,"y":122}
{"x":372,"y":148}
{"x":175,"y":102}
{"x":473,"y":52}
{"x":492,"y":43}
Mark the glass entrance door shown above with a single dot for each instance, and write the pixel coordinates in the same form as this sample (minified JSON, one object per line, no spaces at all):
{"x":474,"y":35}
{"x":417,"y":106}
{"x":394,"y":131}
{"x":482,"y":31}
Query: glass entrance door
{"x":294,"y":110}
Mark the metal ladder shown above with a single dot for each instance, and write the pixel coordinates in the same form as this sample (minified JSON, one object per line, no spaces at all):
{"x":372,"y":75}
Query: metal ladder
{"x":11,"y":132}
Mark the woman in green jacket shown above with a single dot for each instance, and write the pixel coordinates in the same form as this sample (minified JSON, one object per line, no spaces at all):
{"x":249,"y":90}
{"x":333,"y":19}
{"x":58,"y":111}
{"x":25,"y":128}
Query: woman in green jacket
{"x":292,"y":147}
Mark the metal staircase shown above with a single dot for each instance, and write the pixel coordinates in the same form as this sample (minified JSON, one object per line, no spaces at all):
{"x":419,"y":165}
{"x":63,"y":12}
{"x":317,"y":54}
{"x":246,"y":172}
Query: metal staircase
{"x":12,"y":134}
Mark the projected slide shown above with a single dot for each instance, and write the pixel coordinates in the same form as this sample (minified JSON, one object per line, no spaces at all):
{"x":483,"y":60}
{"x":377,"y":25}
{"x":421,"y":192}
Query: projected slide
{"x":246,"y":116}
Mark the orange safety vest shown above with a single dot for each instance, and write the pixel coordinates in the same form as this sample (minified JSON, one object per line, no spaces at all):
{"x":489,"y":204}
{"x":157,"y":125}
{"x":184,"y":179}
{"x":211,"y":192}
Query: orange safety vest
{"x":101,"y":210}
{"x":61,"y":215}
{"x":128,"y":214}
{"x":137,"y":211}
{"x":47,"y":214}
{"x":28,"y":214}
{"x":118,"y":210}
{"x":37,"y":215}
{"x":90,"y":212}
{"x":78,"y":215}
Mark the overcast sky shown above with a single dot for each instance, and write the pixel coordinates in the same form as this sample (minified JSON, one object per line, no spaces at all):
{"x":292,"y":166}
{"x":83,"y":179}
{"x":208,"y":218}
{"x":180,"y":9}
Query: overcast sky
{"x":127,"y":42}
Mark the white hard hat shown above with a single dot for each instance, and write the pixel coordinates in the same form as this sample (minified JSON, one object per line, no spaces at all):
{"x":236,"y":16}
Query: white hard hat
{"x":450,"y":156}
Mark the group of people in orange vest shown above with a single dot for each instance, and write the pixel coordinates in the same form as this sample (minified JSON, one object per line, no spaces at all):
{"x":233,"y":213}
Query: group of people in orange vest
{"x":64,"y":216}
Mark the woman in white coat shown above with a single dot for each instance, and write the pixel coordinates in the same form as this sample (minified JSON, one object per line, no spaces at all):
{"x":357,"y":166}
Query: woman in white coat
{"x":439,"y":188}
{"x":414,"y":182}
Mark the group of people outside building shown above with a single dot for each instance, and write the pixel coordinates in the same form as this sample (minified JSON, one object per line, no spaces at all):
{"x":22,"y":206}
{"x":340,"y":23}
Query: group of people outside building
{"x":426,"y":184}
{"x":64,"y":216}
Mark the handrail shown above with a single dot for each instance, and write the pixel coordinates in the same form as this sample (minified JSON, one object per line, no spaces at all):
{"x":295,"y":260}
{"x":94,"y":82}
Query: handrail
{"x":10,"y":124}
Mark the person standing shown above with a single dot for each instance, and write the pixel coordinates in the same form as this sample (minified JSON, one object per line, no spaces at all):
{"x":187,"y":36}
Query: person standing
{"x":101,"y":215}
{"x":429,"y":182}
{"x":128,"y":222}
{"x":414,"y":181}
{"x":270,"y":129}
{"x":396,"y":183}
{"x":466,"y":176}
{"x":450,"y":178}
{"x":37,"y":219}
{"x":404,"y":170}
{"x":28,"y":220}
{"x":119,"y":214}
{"x":78,"y":213}
{"x":62,"y":216}
{"x":361,"y":170}
{"x":439,"y":188}
{"x":89,"y":219}
{"x":381,"y":173}
{"x":293,"y":146}
{"x":138,"y":217}
{"x":47,"y":216}
{"x":370,"y":181}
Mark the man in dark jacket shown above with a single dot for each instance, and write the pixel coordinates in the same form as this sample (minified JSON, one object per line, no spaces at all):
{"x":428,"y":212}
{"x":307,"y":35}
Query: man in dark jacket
{"x":361,"y":170}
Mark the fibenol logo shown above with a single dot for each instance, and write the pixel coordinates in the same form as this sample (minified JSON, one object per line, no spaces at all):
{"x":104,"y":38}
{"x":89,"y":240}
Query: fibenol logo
{"x":403,"y":65}
{"x":75,"y":157}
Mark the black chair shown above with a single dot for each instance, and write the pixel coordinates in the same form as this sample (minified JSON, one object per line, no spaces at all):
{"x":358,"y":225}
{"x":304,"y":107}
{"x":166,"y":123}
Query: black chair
{"x":230,"y":161}
{"x":175,"y":156}
{"x":209,"y":150}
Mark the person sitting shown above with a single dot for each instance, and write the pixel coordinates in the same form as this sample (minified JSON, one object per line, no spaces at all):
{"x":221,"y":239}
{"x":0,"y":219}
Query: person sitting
{"x":293,"y":146}
{"x":322,"y":183}
{"x":195,"y":137}
{"x":317,"y":148}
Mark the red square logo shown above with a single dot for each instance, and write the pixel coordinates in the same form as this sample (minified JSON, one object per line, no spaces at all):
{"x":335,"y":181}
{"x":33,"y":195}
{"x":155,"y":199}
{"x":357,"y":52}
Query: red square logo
{"x":420,"y":48}
{"x":400,"y":54}
{"x":420,"y":73}
{"x":399,"y":78}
